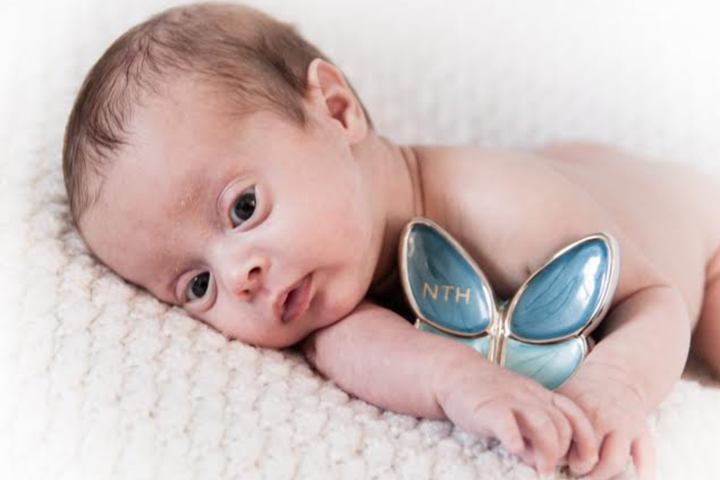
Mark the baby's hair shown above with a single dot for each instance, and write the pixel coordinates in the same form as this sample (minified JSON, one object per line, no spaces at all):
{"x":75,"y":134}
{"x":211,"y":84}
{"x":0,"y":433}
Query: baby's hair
{"x":259,"y":62}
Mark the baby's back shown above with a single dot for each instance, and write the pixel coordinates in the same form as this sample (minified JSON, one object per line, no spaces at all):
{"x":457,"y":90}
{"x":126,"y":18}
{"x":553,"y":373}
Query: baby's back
{"x":671,"y":212}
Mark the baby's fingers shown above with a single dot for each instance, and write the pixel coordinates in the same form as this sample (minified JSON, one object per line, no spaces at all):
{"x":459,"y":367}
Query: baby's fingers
{"x":498,"y":421}
{"x":583,"y":454}
{"x":538,"y":426}
{"x":643,"y":453}
{"x":613,"y":456}
{"x":564,"y":429}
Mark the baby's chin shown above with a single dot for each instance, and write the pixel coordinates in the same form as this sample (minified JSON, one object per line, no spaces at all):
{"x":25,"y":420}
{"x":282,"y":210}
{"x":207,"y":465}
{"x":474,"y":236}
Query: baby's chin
{"x":320,"y":315}
{"x":332,"y":306}
{"x":286,"y":336}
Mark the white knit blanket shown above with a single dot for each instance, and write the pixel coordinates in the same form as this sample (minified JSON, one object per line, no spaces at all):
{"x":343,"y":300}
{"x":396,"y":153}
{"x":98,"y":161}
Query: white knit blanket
{"x":99,"y":380}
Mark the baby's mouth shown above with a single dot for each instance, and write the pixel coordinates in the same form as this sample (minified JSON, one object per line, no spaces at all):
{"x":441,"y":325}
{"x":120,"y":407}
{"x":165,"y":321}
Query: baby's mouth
{"x":297,"y":300}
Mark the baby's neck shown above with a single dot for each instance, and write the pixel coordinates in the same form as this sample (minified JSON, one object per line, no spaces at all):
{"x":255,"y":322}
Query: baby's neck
{"x":397,"y":197}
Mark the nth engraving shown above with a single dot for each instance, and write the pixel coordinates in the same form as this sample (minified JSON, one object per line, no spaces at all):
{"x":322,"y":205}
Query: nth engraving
{"x":433,"y":291}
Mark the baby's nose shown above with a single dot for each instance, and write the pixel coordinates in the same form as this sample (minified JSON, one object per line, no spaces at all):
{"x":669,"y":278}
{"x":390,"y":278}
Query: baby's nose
{"x":246,"y":279}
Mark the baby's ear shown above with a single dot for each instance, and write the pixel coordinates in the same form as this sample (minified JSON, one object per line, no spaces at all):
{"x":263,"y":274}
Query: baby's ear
{"x":333,"y":95}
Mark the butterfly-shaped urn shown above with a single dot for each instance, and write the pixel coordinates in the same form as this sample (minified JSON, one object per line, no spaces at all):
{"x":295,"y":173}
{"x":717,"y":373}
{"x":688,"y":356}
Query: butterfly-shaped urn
{"x":541,"y":331}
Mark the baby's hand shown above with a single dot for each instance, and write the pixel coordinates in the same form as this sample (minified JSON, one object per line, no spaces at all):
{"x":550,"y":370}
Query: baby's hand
{"x":483,"y":398}
{"x":617,"y":412}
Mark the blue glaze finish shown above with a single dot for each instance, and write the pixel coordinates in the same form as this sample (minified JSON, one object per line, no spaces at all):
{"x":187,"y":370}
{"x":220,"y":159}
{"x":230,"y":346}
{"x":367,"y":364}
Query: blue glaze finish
{"x":480,"y":344}
{"x":445,"y":286}
{"x":540,"y":332}
{"x":561,"y":299}
{"x":548,"y":364}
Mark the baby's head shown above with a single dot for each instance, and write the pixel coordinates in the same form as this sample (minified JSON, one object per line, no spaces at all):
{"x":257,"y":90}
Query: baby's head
{"x":211,"y":158}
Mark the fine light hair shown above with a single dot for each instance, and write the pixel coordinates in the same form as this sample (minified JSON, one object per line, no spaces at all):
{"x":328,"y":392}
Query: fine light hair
{"x":257,"y":61}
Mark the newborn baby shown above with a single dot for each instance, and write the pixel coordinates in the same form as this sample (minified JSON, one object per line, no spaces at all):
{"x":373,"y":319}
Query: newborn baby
{"x":220,"y":161}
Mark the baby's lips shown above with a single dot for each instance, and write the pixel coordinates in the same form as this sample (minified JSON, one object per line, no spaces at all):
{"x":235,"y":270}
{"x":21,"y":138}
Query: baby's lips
{"x":282,"y":300}
{"x":297,"y":300}
{"x":279,"y":304}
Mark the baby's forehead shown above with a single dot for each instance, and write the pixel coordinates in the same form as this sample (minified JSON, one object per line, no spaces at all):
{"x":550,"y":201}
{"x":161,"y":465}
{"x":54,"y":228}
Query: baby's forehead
{"x":137,"y":228}
{"x":192,"y":115}
{"x":179,"y":100}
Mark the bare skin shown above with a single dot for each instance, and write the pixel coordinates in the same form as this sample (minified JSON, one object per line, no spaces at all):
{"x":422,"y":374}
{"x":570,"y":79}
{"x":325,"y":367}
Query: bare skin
{"x":572,"y":190}
{"x":329,"y":205}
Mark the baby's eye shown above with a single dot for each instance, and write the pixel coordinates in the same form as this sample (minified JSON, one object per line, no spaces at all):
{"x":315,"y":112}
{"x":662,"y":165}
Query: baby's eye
{"x":244,"y":206}
{"x":198,"y":286}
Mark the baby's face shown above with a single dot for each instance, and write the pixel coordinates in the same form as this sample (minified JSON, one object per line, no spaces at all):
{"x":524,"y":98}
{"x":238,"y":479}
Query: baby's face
{"x":225,"y":216}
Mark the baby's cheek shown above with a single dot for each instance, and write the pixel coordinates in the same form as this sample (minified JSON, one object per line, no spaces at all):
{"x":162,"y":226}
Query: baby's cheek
{"x":342,"y":297}
{"x":198,"y":317}
{"x":242,"y":326}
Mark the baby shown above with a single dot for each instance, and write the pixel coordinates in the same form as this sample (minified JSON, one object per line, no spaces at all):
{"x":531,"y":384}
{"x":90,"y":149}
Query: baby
{"x":220,"y":161}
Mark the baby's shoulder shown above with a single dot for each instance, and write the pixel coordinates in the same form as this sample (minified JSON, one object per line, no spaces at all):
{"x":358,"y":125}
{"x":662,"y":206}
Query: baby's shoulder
{"x":463,"y":186}
{"x":499,"y":204}
{"x":450,"y":174}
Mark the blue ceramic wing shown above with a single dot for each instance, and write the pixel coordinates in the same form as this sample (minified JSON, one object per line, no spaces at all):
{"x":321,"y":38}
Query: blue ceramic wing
{"x":548,"y":364}
{"x":443,"y":285}
{"x":567,"y":294}
{"x":540,"y":333}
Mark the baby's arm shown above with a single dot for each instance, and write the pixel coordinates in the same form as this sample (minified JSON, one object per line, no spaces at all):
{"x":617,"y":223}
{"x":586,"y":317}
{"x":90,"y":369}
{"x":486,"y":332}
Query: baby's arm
{"x":646,"y":333}
{"x":646,"y":338}
{"x":378,"y":356}
{"x":629,"y":372}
